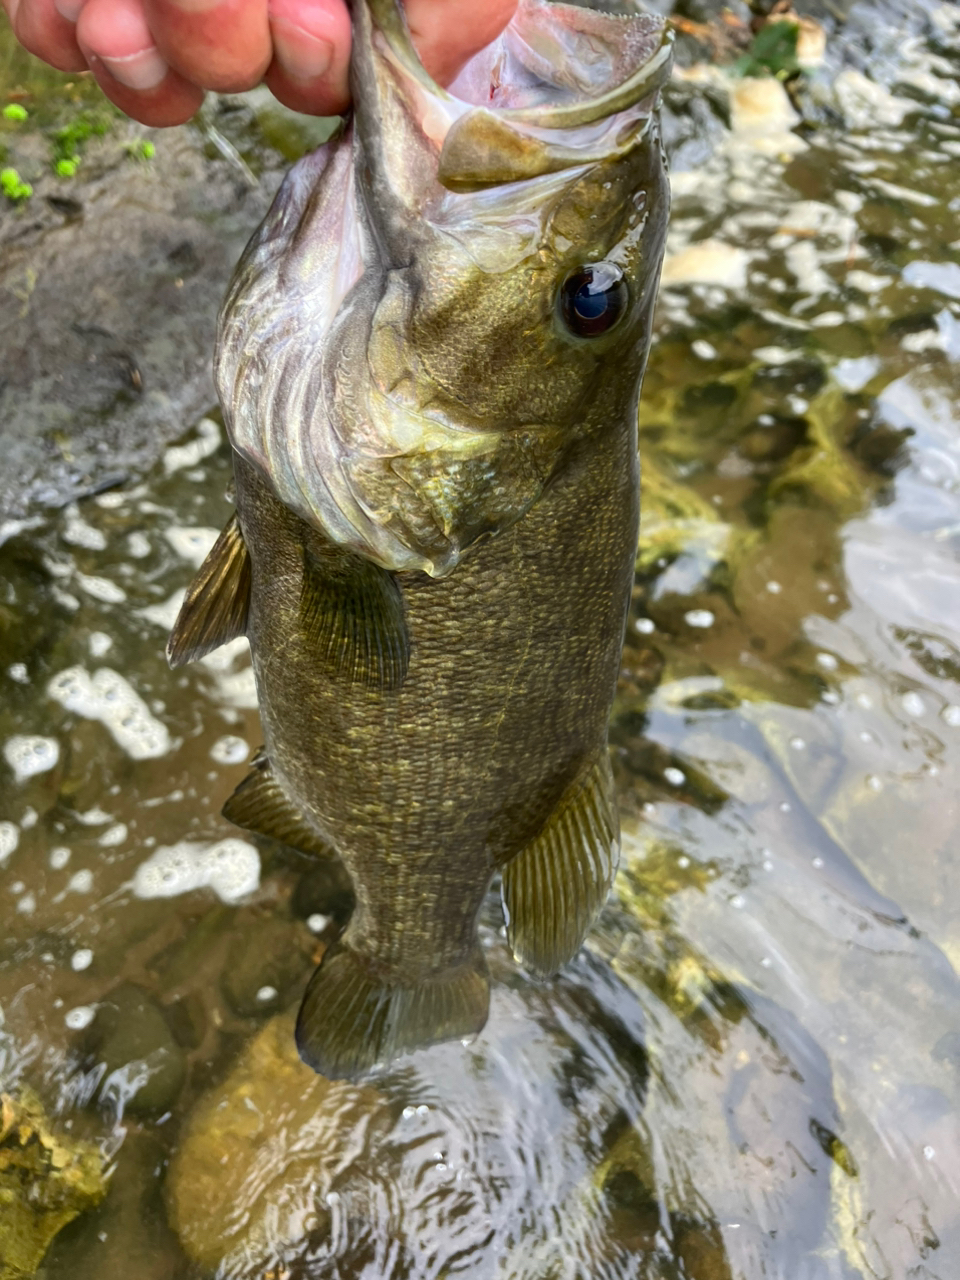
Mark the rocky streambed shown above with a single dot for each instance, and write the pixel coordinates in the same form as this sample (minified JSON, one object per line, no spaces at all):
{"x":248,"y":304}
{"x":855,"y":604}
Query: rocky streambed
{"x":754,"y":1068}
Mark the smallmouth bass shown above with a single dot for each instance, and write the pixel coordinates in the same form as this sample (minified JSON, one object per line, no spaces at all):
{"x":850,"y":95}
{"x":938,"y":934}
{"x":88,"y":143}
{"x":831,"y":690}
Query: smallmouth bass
{"x":429,"y":361}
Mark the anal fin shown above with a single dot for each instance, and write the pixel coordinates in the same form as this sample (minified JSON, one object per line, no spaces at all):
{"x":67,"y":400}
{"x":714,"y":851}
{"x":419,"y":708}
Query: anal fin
{"x":352,"y":1018}
{"x":217,"y":601}
{"x":554,"y":889}
{"x":353,"y":612}
{"x":259,"y":804}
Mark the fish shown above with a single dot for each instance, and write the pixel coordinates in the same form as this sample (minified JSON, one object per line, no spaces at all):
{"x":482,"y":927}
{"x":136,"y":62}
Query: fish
{"x":429,"y":361}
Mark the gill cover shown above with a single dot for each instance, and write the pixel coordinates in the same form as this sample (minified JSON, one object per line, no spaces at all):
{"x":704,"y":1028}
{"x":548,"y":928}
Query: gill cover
{"x":322,"y":388}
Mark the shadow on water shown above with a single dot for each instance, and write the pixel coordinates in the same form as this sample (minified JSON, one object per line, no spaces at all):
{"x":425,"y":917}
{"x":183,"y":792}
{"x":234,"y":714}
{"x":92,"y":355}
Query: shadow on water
{"x":752,"y":1069}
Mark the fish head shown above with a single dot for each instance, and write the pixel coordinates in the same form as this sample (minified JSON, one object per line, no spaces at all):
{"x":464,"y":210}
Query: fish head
{"x":459,"y":289}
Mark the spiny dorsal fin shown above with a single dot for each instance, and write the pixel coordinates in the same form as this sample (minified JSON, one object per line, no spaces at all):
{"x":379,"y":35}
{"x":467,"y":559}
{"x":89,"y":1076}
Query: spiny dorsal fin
{"x":353,"y":613}
{"x":259,"y":804}
{"x":553,"y":889}
{"x":216,"y":604}
{"x":352,"y":1017}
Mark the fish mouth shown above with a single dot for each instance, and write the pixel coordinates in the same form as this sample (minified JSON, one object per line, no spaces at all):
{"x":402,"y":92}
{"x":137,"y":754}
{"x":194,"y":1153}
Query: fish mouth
{"x":563,"y":85}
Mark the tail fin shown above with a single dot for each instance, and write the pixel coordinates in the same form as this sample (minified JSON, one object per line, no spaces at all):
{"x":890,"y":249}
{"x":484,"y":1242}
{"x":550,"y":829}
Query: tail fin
{"x":351,"y":1019}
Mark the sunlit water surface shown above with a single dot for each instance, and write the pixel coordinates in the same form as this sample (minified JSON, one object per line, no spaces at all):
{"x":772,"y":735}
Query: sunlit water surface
{"x":752,"y":1069}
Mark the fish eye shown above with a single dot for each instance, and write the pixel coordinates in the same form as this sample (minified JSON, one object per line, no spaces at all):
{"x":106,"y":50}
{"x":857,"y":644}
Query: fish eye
{"x":593,"y":298}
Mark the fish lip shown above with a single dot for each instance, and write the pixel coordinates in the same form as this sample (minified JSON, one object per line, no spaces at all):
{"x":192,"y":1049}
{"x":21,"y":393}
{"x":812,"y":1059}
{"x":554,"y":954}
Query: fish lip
{"x":645,"y":82}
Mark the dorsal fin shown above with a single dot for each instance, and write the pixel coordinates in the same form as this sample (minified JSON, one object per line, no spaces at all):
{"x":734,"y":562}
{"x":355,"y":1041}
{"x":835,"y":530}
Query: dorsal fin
{"x":352,"y":611}
{"x":215,"y":607}
{"x":553,"y":889}
{"x":260,"y":804}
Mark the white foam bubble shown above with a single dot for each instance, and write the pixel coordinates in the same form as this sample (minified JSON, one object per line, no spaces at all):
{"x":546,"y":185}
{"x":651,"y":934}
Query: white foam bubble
{"x":109,"y":698}
{"x":188,"y":455}
{"x":698,"y":618}
{"x":59,"y":858}
{"x":80,"y":1017}
{"x":191,"y":544}
{"x":114,"y":835}
{"x":101,"y":588}
{"x":230,"y":749}
{"x":18,"y":671}
{"x":81,"y":960}
{"x":28,"y":755}
{"x":231,"y":868}
{"x":9,"y":839}
{"x":676,"y":777}
{"x":138,"y":545}
{"x":164,"y":615}
{"x":80,"y":534}
{"x":99,"y":642}
{"x":81,"y":881}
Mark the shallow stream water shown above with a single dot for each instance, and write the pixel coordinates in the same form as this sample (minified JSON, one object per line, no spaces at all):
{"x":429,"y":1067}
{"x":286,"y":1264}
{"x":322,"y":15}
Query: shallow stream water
{"x":753,"y":1068}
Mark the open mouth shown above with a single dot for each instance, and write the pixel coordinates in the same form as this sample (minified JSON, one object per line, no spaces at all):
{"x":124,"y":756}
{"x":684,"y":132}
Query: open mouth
{"x":562,"y":85}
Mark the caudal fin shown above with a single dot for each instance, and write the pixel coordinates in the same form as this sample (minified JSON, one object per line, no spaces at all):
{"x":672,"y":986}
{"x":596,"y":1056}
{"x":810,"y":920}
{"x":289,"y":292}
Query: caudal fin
{"x":351,"y":1019}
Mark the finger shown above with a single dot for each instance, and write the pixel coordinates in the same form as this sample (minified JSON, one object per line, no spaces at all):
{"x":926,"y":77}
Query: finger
{"x":311,"y":53}
{"x":47,"y":34}
{"x":128,"y":66}
{"x":448,"y":33}
{"x":218,"y":44}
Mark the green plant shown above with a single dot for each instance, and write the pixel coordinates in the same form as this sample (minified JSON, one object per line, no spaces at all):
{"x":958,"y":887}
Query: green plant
{"x":68,"y":142}
{"x":141,"y":149}
{"x":13,"y":186}
{"x":14,"y":111}
{"x":773,"y":52}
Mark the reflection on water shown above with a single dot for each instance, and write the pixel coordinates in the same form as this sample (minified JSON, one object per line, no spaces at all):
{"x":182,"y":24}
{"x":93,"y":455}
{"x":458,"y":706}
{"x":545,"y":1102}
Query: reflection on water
{"x":752,"y":1069}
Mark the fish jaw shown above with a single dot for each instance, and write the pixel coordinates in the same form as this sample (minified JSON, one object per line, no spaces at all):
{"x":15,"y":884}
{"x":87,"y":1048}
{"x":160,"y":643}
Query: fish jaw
{"x":390,"y":355}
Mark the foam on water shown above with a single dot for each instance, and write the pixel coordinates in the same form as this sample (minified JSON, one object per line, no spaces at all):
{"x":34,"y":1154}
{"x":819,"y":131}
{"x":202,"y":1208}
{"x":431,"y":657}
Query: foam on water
{"x":191,"y":544}
{"x":28,"y":755}
{"x":231,"y":868}
{"x":9,"y":839}
{"x":109,"y":698}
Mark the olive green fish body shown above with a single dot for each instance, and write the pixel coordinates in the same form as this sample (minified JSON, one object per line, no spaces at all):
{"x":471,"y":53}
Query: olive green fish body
{"x":429,"y":362}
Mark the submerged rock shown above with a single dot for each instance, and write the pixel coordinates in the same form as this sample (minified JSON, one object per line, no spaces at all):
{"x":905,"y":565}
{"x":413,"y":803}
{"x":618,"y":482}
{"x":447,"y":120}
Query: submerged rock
{"x":144,"y":1067}
{"x":46,"y":1180}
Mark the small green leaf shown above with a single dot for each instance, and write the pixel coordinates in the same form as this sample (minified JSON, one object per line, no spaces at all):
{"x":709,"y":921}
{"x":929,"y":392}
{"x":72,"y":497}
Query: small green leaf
{"x":67,"y":168}
{"x":14,"y":111}
{"x":13,"y":186}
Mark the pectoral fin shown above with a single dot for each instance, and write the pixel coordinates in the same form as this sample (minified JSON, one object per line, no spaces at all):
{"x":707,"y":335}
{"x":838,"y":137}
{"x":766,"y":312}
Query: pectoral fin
{"x":216,"y":604}
{"x":352,"y":1017}
{"x":353,"y":613}
{"x":553,"y":889}
{"x":259,"y":804}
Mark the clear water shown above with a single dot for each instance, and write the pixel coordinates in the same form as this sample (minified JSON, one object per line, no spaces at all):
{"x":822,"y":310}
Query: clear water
{"x":753,"y":1069}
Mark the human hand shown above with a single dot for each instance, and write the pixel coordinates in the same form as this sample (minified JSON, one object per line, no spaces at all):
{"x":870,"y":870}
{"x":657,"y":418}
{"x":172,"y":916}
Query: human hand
{"x":155,"y":58}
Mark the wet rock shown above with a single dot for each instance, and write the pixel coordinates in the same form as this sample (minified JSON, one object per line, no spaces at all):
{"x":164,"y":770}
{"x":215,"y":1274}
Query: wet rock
{"x":127,"y":1235}
{"x":46,"y":1180}
{"x":267,"y":960}
{"x":143,"y":1066}
{"x":294,"y":1123}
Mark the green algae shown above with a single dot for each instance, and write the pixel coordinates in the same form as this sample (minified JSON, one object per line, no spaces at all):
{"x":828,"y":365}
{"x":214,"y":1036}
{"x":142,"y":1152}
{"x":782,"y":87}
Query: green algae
{"x":46,"y":1180}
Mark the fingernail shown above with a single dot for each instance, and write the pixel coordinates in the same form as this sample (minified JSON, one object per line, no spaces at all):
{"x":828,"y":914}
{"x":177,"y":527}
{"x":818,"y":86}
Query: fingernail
{"x":69,"y":9}
{"x":302,"y":55}
{"x":143,"y":70}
